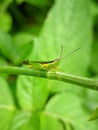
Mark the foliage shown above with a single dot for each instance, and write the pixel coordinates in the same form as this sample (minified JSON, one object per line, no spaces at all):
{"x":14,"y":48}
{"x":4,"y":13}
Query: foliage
{"x":30,"y":29}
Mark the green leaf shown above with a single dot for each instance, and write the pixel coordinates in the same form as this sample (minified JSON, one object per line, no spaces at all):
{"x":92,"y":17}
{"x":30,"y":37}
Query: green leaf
{"x":91,"y":100}
{"x":4,"y":5}
{"x":7,"y":47}
{"x":23,"y":52}
{"x":5,"y":22}
{"x":68,"y":107}
{"x":5,"y":95}
{"x":13,"y":52}
{"x":24,"y":120}
{"x":31,"y":92}
{"x":94,"y":57}
{"x":68,"y":23}
{"x":50,"y":123}
{"x":7,"y":107}
{"x":24,"y":44}
{"x":22,"y":38}
{"x":21,"y":121}
{"x":62,"y":26}
{"x":95,"y":115}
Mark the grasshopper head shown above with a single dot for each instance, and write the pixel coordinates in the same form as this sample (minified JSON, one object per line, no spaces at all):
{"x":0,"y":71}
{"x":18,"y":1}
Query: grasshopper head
{"x":57,"y":60}
{"x":26,"y":62}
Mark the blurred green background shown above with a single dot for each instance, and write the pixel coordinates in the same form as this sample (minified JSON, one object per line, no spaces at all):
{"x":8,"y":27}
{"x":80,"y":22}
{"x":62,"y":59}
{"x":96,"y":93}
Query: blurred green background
{"x":36,"y":30}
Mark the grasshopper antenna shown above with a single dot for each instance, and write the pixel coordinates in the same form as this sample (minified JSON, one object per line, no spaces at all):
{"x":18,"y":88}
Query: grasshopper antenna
{"x":70,"y":53}
{"x":61,"y":52}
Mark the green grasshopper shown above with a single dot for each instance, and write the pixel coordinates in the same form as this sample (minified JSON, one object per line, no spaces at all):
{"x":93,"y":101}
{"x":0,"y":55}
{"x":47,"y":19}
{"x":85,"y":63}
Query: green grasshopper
{"x":48,"y":65}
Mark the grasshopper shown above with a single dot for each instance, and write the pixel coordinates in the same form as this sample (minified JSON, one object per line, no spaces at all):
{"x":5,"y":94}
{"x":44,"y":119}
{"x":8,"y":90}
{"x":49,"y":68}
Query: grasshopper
{"x":48,"y":65}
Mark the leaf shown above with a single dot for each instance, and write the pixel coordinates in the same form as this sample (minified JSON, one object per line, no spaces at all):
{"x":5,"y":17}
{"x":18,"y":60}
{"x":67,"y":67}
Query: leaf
{"x":24,"y":51}
{"x":22,"y":38}
{"x":7,"y":106}
{"x":16,"y":54}
{"x":30,"y":95}
{"x":91,"y":100}
{"x":21,"y":121}
{"x":94,"y":115}
{"x":5,"y":22}
{"x":3,"y":5}
{"x":68,"y":108}
{"x":68,"y":23}
{"x":94,"y":57}
{"x":24,"y":44}
{"x":24,"y":120}
{"x":50,"y":123}
{"x":7,"y":47}
{"x":62,"y":26}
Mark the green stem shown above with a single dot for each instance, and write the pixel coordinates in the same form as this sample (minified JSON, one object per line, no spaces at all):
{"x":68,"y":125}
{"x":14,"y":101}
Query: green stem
{"x":77,"y":80}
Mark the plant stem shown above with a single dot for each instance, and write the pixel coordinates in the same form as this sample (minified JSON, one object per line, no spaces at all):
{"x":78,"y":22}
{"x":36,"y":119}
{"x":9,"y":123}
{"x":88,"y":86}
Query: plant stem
{"x":77,"y":80}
